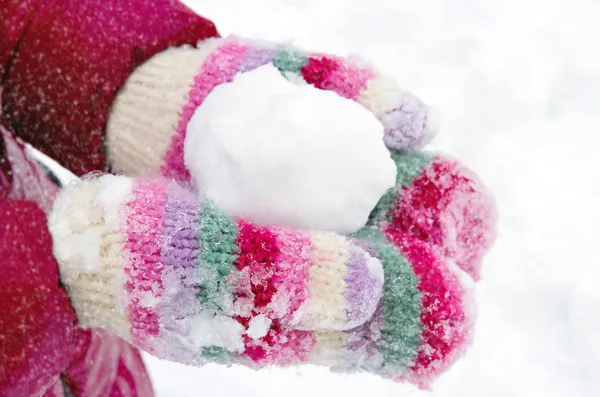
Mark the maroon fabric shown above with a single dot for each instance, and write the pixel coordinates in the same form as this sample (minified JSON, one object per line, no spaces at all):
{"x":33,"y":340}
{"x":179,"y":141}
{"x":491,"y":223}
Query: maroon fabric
{"x":15,"y":16}
{"x":36,"y":317}
{"x":5,"y":170}
{"x":72,"y":58}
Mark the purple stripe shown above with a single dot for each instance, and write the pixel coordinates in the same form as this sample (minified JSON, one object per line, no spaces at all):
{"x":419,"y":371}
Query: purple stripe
{"x":408,"y":126}
{"x":363,"y":291}
{"x":257,"y":57}
{"x":181,"y":280}
{"x":362,"y":345}
{"x":181,"y":219}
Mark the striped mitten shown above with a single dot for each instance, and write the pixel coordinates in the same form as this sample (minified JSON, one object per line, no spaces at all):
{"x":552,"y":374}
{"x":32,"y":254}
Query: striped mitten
{"x":147,"y":129}
{"x":146,"y":260}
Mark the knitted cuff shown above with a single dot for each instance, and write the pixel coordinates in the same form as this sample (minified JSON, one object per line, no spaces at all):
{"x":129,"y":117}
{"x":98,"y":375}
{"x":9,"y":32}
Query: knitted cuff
{"x":147,"y":112}
{"x":440,"y":201}
{"x":147,"y":127}
{"x":144,"y":259}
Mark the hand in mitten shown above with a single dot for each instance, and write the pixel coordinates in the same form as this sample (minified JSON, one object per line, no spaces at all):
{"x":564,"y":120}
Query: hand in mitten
{"x":161,"y":96}
{"x":148,"y":261}
{"x":421,"y":324}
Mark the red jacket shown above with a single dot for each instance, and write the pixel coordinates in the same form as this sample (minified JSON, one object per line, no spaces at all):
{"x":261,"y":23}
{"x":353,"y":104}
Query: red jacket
{"x":61,"y":65}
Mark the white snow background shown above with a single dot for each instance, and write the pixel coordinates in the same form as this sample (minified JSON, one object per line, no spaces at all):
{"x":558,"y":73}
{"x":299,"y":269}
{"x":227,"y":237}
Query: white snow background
{"x":517,"y":85}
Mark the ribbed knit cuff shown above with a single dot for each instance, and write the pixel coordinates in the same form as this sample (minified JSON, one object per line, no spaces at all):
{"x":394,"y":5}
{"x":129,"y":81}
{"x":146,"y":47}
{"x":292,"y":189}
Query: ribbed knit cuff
{"x":147,"y":111}
{"x":86,"y":228}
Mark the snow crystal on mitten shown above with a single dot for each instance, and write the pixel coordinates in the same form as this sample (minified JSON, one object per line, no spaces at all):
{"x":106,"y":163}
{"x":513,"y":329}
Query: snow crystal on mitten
{"x":440,"y":201}
{"x":148,"y":261}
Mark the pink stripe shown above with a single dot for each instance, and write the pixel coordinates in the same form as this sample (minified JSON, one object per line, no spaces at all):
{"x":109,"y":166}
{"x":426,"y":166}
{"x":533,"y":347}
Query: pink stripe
{"x":144,"y":227}
{"x":292,"y":266}
{"x":291,"y":260}
{"x":220,"y":67}
{"x":292,"y":347}
{"x":292,"y":276}
{"x":342,"y":76}
{"x":449,"y":207}
{"x":446,"y":325}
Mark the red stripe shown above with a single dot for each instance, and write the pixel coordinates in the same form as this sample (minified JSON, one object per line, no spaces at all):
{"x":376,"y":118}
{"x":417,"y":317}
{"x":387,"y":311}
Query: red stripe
{"x":259,"y":251}
{"x":447,"y":206}
{"x":318,"y":71}
{"x":446,"y":326}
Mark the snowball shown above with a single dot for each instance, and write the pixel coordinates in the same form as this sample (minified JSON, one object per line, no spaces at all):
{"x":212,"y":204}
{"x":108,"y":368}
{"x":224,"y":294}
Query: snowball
{"x":278,"y":153}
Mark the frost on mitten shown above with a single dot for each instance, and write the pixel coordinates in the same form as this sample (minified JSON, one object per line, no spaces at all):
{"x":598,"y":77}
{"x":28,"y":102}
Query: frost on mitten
{"x":190,"y":284}
{"x":439,"y":201}
{"x":146,"y":260}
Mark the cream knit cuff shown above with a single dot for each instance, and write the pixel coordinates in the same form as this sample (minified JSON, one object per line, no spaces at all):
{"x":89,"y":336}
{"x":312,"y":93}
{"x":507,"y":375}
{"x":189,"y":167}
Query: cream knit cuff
{"x":148,"y":109}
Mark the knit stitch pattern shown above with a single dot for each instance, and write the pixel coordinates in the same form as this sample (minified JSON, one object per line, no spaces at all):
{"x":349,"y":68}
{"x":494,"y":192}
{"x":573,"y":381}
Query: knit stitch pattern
{"x":199,"y":286}
{"x":144,"y":230}
{"x":404,"y":117}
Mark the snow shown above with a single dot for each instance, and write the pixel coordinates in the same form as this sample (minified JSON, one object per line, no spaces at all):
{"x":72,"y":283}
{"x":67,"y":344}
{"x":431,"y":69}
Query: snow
{"x":259,"y":326}
{"x":278,"y":153}
{"x":516,"y":83}
{"x":81,"y":214}
{"x":216,"y":330}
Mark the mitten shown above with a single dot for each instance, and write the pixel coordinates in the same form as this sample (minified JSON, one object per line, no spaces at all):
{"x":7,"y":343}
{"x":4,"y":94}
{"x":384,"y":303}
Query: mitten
{"x":147,"y":127}
{"x":147,"y":260}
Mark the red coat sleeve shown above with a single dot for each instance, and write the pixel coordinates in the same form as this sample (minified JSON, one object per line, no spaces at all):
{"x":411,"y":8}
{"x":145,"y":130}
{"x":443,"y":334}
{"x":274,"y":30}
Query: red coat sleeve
{"x":68,"y":58}
{"x":15,"y":16}
{"x":36,"y":318}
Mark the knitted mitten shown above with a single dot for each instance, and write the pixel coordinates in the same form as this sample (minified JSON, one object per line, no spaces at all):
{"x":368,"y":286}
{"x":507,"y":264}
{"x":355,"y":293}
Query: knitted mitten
{"x":436,"y":199}
{"x":145,"y":259}
{"x":179,"y":278}
{"x":173,"y":84}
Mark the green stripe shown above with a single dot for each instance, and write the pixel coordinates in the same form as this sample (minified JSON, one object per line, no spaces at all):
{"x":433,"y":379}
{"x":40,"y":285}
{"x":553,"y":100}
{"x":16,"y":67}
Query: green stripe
{"x":217,"y":354}
{"x":290,"y":60}
{"x":219,"y":251}
{"x":401,"y":301}
{"x":409,"y":166}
